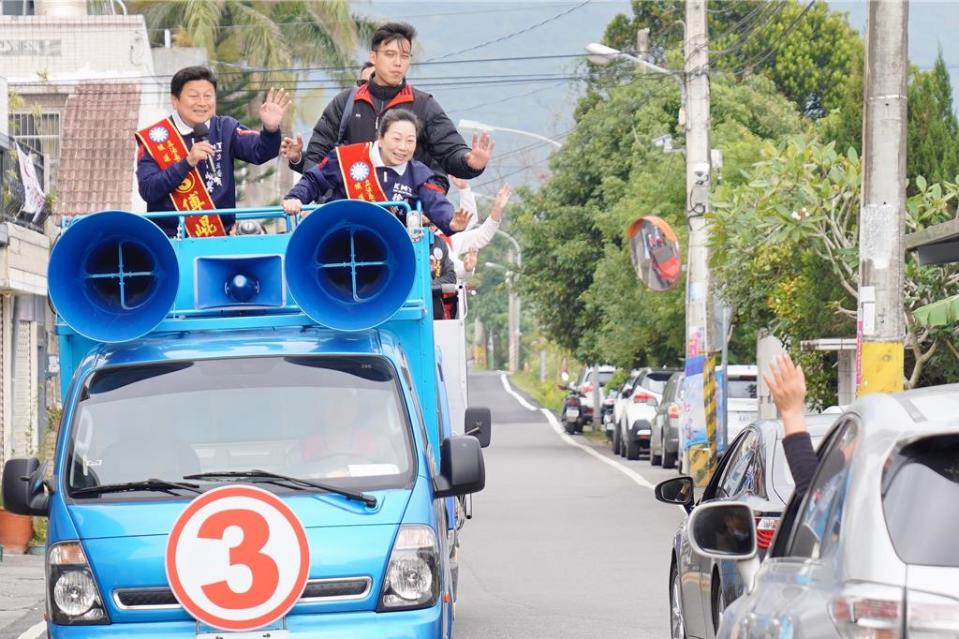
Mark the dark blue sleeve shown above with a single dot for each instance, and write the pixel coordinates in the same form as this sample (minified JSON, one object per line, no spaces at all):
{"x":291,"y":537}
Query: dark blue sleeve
{"x":317,"y":181}
{"x":435,"y":206}
{"x":255,"y":147}
{"x":153,"y":183}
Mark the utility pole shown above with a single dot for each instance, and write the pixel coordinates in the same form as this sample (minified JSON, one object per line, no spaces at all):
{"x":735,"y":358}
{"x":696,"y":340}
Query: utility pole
{"x":880,"y":326}
{"x":700,"y":345}
{"x":512,"y":320}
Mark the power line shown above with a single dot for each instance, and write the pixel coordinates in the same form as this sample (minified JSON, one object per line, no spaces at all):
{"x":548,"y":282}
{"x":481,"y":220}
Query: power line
{"x":754,"y":28}
{"x":405,"y":17}
{"x":507,"y":99}
{"x":513,"y":34}
{"x":775,"y":47}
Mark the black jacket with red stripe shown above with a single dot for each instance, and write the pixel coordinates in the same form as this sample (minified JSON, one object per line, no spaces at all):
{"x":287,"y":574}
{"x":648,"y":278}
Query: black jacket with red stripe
{"x":440,"y":146}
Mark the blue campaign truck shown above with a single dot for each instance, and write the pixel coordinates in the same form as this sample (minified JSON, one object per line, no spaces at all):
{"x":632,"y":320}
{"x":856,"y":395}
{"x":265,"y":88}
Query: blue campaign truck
{"x":301,"y":363}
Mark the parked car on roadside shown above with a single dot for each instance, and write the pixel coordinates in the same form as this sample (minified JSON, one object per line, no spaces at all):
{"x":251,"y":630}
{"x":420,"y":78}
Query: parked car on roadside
{"x":614,"y":433}
{"x":752,"y":471}
{"x":577,"y":407}
{"x":636,"y":426}
{"x":664,"y":442}
{"x":869,"y":550}
{"x":742,"y":405}
{"x":609,"y":404}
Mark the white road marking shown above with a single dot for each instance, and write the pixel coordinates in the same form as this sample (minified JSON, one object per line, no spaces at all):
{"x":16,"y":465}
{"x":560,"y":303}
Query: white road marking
{"x":516,"y":396}
{"x":629,"y":472}
{"x":34,"y":631}
{"x":635,"y":477}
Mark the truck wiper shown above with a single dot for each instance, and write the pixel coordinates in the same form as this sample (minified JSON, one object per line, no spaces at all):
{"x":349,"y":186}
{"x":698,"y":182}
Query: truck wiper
{"x":255,"y":473}
{"x":147,"y":484}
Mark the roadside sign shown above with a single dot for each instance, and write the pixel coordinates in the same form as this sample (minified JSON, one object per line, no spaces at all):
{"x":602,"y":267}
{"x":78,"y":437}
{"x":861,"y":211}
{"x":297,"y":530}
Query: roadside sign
{"x":237,"y":558}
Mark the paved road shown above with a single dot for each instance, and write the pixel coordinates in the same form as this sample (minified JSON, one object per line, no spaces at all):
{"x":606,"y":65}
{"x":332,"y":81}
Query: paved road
{"x":21,"y":594}
{"x":561,"y":544}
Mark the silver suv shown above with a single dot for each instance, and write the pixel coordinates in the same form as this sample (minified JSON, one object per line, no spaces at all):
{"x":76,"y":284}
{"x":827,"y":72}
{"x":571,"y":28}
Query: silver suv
{"x":870,"y":550}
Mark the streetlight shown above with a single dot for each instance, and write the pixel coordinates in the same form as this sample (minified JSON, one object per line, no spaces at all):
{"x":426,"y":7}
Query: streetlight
{"x":602,"y":55}
{"x":482,"y":126}
{"x":513,"y":306}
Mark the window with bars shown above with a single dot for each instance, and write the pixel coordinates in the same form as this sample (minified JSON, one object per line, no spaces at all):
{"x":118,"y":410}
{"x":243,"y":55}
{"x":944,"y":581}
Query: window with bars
{"x":40,"y":134}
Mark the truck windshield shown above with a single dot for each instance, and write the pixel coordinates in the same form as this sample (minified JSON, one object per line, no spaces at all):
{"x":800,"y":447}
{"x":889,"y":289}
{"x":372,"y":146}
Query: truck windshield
{"x":336,"y":419}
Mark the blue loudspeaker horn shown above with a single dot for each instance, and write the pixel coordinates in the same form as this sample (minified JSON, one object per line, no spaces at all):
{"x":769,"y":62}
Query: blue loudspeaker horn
{"x":350,"y":265}
{"x":113,"y":276}
{"x":248,"y":281}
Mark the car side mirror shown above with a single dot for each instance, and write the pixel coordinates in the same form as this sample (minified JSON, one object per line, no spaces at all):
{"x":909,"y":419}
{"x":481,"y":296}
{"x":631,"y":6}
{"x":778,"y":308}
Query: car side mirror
{"x":23,"y":487}
{"x":479,"y":424}
{"x":723,"y":530}
{"x":461,"y":467}
{"x":678,"y":490}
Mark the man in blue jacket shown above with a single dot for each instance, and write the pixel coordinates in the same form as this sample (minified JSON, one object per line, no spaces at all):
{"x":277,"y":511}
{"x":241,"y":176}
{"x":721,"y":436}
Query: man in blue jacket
{"x":377,"y":172}
{"x":185,"y":161}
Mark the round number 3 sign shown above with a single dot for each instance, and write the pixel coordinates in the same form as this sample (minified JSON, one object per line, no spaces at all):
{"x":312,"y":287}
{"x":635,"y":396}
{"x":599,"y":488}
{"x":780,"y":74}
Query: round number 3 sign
{"x":237,"y":558}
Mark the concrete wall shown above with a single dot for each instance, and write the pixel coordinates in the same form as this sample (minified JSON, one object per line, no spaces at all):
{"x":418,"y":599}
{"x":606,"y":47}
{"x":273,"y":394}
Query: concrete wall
{"x":23,"y":260}
{"x":4,"y":107}
{"x":23,"y":288}
{"x":40,"y":49}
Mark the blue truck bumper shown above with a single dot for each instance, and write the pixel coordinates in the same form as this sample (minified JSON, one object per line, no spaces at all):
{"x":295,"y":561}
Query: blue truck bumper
{"x":413,"y":624}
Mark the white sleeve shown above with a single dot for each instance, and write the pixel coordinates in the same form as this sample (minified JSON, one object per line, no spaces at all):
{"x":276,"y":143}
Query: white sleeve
{"x":476,"y":238}
{"x":468,"y":200}
{"x":461,"y":273}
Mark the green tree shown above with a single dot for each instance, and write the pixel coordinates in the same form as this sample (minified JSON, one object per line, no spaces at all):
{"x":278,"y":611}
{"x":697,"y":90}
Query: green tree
{"x":577,"y":270}
{"x":256,"y":44}
{"x":933,"y":146}
{"x":808,"y":51}
{"x":784,"y":250}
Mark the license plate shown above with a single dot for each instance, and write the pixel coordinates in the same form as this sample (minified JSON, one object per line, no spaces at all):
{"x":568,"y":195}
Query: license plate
{"x":572,"y":412}
{"x":256,"y":634}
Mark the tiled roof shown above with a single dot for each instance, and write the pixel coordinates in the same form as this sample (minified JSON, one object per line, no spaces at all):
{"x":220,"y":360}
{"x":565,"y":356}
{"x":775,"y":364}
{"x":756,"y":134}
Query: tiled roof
{"x":98,"y":149}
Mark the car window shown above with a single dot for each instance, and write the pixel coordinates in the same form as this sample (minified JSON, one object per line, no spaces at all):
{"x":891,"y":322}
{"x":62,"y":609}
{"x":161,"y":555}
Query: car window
{"x":923,"y":529}
{"x":343,"y":420}
{"x":818,"y":524}
{"x":713,"y":486}
{"x":742,"y":387}
{"x":604,"y":377}
{"x":740,"y":472}
{"x":782,"y":477}
{"x":655,"y":381}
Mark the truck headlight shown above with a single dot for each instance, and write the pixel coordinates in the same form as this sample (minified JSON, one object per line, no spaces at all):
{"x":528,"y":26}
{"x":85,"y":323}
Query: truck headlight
{"x":74,"y":597}
{"x":412,"y":575}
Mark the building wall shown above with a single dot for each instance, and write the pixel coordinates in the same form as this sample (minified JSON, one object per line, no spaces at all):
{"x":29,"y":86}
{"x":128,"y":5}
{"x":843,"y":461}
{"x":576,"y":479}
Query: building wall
{"x":45,"y":49}
{"x":23,"y":339}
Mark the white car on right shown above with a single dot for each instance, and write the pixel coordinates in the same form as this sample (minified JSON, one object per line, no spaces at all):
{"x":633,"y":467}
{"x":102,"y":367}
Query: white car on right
{"x":742,"y":405}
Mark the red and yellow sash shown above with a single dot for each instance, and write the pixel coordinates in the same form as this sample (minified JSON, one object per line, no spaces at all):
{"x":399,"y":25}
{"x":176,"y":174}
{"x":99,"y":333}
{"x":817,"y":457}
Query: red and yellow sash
{"x":166,"y":146}
{"x":359,"y":175}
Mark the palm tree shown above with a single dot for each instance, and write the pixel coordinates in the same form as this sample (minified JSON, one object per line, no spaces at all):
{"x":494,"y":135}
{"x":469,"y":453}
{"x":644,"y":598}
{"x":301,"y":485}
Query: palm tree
{"x":253,"y":44}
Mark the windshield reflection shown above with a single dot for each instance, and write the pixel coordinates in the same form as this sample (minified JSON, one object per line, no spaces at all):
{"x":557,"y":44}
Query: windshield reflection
{"x":335,"y":419}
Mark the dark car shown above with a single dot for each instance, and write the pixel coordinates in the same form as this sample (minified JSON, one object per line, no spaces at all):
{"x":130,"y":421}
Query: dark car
{"x":754,"y":471}
{"x":664,"y":442}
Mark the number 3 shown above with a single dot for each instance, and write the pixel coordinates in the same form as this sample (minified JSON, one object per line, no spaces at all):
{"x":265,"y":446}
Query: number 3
{"x":264,"y":571}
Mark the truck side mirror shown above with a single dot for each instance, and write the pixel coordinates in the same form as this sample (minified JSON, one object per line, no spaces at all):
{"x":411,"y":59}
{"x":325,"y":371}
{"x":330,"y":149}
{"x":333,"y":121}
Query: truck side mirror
{"x":23,"y":487}
{"x":461,"y":467}
{"x":479,"y":424}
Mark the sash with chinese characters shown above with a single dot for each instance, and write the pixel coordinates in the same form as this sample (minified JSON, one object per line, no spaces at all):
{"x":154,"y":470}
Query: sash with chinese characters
{"x":359,"y":178}
{"x":166,"y":146}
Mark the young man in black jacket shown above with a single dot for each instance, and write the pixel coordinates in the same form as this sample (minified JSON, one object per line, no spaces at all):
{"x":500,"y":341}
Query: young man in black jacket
{"x":353,"y":115}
